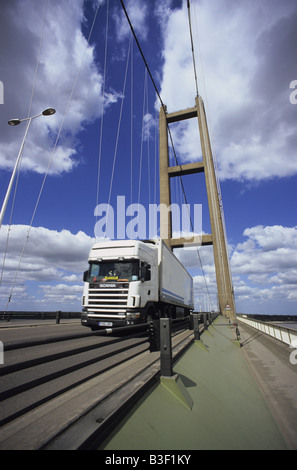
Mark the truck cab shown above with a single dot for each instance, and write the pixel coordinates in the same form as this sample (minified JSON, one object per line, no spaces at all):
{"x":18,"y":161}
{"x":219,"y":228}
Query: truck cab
{"x":121,"y":284}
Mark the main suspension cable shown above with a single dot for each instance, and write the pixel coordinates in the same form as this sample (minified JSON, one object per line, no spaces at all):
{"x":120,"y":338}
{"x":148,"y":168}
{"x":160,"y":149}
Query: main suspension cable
{"x":142,"y":54}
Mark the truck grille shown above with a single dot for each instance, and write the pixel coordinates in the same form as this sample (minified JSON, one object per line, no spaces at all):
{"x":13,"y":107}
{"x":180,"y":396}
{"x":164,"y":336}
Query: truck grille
{"x":109,"y":300}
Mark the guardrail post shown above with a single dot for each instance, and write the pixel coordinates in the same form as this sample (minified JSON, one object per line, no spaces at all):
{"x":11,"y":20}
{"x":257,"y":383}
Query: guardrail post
{"x":6,"y":316}
{"x":237,"y":331}
{"x":166,"y":347}
{"x":196,"y":326}
{"x":154,"y":335}
{"x":205,"y":321}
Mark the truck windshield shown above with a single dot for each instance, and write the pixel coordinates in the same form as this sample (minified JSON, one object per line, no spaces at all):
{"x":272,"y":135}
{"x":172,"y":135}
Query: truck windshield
{"x":114,"y":271}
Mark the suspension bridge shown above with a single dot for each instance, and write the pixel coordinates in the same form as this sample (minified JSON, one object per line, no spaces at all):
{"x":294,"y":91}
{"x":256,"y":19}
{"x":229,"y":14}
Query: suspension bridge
{"x":186,"y":384}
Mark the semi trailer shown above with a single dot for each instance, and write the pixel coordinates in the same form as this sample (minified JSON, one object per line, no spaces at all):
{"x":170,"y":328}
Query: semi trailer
{"x":133,"y":281}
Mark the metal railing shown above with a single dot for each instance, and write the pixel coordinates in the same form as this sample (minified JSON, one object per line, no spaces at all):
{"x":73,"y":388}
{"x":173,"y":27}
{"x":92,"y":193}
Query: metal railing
{"x":284,"y":334}
{"x":33,"y":315}
{"x":160,"y":331}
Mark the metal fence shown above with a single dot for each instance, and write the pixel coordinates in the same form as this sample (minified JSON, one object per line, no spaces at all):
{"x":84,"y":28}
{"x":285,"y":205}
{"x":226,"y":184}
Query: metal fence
{"x":281,"y":333}
{"x":160,"y":332}
{"x":33,"y":315}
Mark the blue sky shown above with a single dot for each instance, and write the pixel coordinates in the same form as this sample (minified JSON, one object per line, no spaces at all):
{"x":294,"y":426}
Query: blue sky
{"x":246,"y":59}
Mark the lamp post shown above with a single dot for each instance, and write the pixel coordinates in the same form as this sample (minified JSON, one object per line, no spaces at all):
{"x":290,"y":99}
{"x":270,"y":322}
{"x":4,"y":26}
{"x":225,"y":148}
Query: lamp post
{"x":15,"y":122}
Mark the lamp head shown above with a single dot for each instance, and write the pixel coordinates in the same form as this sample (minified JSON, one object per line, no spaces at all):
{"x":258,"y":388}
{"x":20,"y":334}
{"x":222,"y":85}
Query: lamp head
{"x":48,"y":111}
{"x":14,"y":122}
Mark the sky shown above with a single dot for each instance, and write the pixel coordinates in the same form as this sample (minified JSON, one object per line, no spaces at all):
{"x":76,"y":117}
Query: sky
{"x":79,"y":58}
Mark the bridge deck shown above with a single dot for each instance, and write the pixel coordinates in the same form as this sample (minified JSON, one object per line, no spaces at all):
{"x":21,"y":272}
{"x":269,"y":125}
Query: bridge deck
{"x":228,"y":411}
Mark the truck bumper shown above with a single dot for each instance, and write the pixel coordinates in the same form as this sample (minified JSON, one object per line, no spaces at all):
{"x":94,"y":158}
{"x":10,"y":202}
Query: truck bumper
{"x":97,"y":323}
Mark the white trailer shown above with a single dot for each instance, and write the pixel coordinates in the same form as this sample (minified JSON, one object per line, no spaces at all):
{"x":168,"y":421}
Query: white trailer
{"x":132,"y":281}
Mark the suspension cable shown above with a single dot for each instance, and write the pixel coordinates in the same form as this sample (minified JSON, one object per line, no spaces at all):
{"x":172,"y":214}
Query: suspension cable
{"x":131,"y":124}
{"x":118,"y":130}
{"x":29,"y":113}
{"x":152,"y":79}
{"x":103,"y":99}
{"x":218,"y":188}
{"x":51,"y":158}
{"x":168,"y":128}
{"x":142,"y":54}
{"x":142,"y":137}
{"x":192,"y":46}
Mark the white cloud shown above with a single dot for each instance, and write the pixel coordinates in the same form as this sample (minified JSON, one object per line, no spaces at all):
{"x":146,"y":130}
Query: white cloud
{"x":177,"y":90}
{"x":267,"y":250}
{"x":50,"y":274}
{"x":248,"y":51}
{"x":137,"y":11}
{"x":64,"y":54}
{"x":273,"y":238}
{"x":62,"y":295}
{"x":148,"y":126}
{"x":264,"y":267}
{"x":50,"y":270}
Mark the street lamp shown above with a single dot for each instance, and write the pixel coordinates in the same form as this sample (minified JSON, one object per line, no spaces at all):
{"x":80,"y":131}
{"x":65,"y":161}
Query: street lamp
{"x":15,"y":122}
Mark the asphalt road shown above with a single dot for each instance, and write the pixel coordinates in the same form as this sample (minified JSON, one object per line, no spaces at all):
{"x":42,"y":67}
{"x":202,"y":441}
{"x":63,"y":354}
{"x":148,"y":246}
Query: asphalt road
{"x":26,"y":330}
{"x":43,"y":362}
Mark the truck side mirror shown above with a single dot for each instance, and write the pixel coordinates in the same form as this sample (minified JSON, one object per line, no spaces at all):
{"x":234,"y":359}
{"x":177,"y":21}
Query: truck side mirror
{"x":145,"y":272}
{"x":86,"y":275}
{"x":142,"y":274}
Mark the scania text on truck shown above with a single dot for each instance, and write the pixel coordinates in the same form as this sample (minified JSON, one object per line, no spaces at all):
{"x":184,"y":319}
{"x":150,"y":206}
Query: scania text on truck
{"x":132,"y":281}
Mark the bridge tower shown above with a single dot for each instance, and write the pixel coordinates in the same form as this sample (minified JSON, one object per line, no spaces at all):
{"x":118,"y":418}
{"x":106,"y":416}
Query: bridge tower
{"x":217,"y":237}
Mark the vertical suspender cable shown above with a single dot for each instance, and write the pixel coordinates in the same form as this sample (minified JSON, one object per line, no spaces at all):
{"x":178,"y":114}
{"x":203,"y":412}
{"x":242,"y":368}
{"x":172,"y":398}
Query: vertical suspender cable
{"x":215,"y":162}
{"x":142,"y":135}
{"x":103,"y":99}
{"x":29,"y":113}
{"x":192,"y":46}
{"x":118,"y":130}
{"x":164,"y":107}
{"x":131,"y":120}
{"x":51,"y":158}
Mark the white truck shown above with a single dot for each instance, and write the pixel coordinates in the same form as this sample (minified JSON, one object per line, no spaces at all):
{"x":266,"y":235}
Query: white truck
{"x":132,"y":281}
